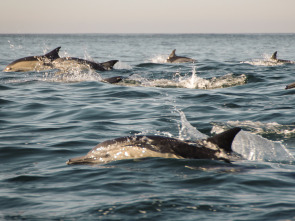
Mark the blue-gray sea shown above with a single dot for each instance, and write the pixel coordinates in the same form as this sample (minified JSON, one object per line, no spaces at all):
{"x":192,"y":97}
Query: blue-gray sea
{"x":47,"y":118}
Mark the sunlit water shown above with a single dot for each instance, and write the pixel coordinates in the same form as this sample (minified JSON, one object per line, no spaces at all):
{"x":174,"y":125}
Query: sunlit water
{"x":47,"y":118}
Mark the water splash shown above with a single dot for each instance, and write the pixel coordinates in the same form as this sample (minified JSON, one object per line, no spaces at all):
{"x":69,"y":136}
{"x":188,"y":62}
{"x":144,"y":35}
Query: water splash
{"x":187,"y":131}
{"x":159,"y":59}
{"x":122,"y":65}
{"x":255,"y":147}
{"x":250,"y":146}
{"x":154,"y":132}
{"x":191,"y":81}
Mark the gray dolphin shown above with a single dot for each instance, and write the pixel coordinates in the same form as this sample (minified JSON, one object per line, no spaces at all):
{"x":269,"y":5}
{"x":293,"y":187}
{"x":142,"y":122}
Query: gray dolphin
{"x":173,"y":58}
{"x":33,"y":63}
{"x":274,"y":58}
{"x":289,"y":86}
{"x":113,"y":80}
{"x":68,"y":63}
{"x":217,"y":147}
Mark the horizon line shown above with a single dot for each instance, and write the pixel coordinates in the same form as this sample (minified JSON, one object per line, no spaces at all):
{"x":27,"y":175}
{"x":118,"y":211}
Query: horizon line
{"x":137,"y":33}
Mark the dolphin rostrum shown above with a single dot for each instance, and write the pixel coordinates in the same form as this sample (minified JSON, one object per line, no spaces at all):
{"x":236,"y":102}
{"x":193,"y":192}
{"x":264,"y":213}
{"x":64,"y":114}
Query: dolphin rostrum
{"x":173,"y":58}
{"x":68,"y":63}
{"x":274,"y":58}
{"x":33,"y":63}
{"x":218,"y":147}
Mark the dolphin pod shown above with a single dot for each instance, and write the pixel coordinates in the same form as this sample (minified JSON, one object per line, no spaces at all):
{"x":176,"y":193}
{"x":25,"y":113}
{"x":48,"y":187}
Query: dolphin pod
{"x":218,"y":147}
{"x":52,"y":60}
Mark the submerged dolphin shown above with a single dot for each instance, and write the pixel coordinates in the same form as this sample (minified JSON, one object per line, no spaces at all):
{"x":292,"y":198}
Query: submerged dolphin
{"x":33,"y":63}
{"x":217,"y":147}
{"x":173,"y":58}
{"x":68,"y":63}
{"x":274,"y":58}
{"x":113,"y":80}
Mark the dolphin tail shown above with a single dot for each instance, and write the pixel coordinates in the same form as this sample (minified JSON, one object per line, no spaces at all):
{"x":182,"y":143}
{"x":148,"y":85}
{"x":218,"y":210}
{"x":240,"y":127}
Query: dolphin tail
{"x":109,"y":64}
{"x":224,"y":140}
{"x":274,"y":56}
{"x":113,"y":80}
{"x":289,"y":86}
{"x":52,"y":55}
{"x":172,"y":54}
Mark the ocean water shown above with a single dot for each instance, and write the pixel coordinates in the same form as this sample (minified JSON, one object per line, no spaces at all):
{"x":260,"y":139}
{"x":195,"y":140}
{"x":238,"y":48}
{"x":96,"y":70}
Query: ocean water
{"x":46,"y":118}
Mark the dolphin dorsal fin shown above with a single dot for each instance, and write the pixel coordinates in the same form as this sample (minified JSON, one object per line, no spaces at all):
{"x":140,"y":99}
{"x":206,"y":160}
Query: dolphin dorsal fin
{"x":224,"y":140}
{"x":52,"y":55}
{"x":109,"y":64}
{"x":274,"y":56}
{"x":172,"y":54}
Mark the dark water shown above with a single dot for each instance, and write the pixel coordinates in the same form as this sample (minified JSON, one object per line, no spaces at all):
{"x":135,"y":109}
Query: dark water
{"x":45,"y":119}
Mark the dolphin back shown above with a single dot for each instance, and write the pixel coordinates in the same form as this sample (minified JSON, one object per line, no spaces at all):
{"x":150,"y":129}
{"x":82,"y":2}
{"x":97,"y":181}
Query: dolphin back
{"x":109,"y":64}
{"x":172,"y":55}
{"x":52,"y":55}
{"x":224,"y":140}
{"x":274,"y":56}
{"x":173,"y":58}
{"x":113,"y":80}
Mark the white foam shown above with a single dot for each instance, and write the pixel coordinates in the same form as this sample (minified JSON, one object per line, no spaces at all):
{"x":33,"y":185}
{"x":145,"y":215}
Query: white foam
{"x":158,"y":59}
{"x":192,"y":81}
{"x":75,"y":75}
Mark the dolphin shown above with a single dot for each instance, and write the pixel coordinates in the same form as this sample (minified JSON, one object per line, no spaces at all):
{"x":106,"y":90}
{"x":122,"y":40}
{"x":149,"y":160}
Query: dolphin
{"x":218,"y":147}
{"x":33,"y":63}
{"x":173,"y":58}
{"x":289,"y":86}
{"x":67,"y":63}
{"x":113,"y":80}
{"x":274,"y":58}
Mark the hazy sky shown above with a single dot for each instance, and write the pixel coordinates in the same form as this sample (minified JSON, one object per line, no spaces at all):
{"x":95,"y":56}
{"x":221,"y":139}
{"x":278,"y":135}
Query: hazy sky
{"x":147,"y":16}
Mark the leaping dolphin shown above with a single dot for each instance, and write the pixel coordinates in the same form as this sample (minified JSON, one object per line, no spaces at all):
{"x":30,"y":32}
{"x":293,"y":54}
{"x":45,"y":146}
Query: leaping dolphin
{"x":274,"y":58}
{"x":218,"y":147}
{"x":173,"y":58}
{"x":33,"y":63}
{"x":68,"y":63}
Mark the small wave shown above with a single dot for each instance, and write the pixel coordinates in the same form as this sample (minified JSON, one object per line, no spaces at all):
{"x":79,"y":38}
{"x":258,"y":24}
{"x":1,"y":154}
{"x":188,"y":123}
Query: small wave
{"x":74,"y":76}
{"x":265,"y":61}
{"x":258,"y":62}
{"x":257,"y":127}
{"x":193,"y":81}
